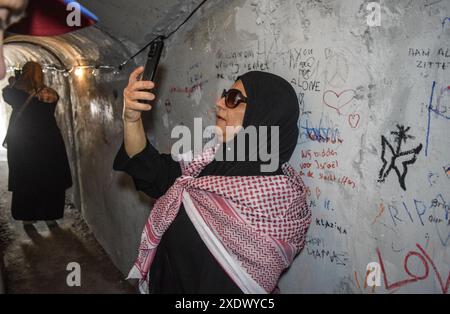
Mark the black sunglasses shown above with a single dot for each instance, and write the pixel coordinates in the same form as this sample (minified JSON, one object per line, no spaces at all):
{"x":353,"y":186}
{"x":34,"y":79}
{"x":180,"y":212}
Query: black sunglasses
{"x":233,"y":97}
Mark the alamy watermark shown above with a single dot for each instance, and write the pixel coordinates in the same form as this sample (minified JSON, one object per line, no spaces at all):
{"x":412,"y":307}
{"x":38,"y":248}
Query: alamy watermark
{"x":73,"y":279}
{"x":373,"y":275}
{"x":251,"y":143}
{"x":374,"y":16}
{"x":74,"y":17}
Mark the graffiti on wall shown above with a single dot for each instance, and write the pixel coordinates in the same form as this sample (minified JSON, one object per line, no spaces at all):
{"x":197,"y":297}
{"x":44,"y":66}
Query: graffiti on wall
{"x":394,"y":158}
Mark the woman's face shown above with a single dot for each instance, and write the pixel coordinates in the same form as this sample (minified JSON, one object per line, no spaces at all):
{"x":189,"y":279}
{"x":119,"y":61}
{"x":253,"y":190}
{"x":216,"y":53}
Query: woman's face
{"x":229,"y":121}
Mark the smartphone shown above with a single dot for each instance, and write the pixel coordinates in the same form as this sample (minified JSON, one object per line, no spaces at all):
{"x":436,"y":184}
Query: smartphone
{"x":154,"y":54}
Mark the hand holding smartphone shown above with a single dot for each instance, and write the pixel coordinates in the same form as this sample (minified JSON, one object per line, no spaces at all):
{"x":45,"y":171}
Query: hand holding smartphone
{"x":151,"y":65}
{"x":138,"y":94}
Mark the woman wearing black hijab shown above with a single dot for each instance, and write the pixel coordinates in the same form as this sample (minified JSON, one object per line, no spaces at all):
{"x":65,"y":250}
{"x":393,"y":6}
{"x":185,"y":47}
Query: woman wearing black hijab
{"x":39,"y":171}
{"x":195,"y":251}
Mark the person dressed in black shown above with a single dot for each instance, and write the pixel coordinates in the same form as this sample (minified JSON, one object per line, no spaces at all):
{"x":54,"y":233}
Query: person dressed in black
{"x":39,"y":172}
{"x":183,"y":263}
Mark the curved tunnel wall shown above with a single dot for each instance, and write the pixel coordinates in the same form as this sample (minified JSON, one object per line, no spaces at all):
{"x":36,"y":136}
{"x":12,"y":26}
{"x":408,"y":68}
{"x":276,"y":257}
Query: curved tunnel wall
{"x":355,"y":83}
{"x":89,"y":116}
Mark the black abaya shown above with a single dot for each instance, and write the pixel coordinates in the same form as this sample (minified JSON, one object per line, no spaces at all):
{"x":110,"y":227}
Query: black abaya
{"x":39,"y":170}
{"x":183,"y":263}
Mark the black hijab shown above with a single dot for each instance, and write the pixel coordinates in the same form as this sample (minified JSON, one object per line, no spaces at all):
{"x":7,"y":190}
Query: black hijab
{"x":272,"y":101}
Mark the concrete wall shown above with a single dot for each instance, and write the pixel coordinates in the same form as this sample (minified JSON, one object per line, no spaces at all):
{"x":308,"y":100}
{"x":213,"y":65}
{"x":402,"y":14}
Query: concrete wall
{"x":139,"y":21}
{"x":356,"y":85}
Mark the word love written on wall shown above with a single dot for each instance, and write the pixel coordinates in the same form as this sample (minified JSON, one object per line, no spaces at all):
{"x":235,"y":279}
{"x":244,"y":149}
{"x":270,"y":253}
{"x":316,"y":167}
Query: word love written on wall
{"x":426,"y":262}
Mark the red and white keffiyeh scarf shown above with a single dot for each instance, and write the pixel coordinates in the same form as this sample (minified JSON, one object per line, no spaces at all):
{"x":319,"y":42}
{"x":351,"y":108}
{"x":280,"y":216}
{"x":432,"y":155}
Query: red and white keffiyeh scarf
{"x":253,"y":225}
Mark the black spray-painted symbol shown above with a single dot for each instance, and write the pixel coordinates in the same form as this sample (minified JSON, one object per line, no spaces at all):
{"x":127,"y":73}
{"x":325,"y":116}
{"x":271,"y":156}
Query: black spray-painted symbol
{"x":447,"y":170}
{"x":393,"y":157}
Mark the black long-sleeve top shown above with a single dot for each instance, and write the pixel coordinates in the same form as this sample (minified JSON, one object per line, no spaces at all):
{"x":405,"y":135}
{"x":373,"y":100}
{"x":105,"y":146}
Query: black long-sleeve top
{"x":183,"y":263}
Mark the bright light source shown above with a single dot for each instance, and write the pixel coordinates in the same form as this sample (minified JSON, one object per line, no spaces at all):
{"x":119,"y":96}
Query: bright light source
{"x":78,"y":72}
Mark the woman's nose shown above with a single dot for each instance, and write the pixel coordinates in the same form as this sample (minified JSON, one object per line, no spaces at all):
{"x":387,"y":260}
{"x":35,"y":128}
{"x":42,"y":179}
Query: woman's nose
{"x":220,"y":104}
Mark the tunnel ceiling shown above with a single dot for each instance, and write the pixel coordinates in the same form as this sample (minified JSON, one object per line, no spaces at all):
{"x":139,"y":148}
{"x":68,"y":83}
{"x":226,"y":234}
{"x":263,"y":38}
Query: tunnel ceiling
{"x":131,"y":24}
{"x":126,"y":20}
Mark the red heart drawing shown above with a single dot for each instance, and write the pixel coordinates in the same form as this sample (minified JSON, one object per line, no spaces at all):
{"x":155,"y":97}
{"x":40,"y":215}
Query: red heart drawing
{"x":353,"y":120}
{"x":337,"y":101}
